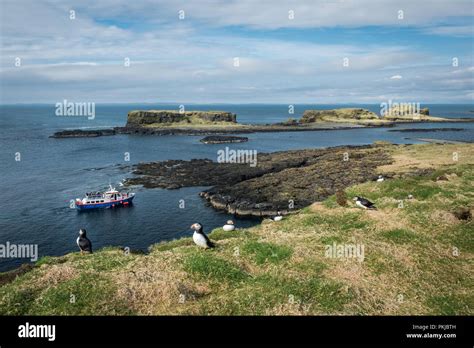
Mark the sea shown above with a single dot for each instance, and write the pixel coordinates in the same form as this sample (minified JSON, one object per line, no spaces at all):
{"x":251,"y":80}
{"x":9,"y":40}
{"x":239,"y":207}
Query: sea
{"x":41,"y":175}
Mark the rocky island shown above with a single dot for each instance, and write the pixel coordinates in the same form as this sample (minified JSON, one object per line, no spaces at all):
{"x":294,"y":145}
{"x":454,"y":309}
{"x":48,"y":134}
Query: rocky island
{"x":173,"y":122}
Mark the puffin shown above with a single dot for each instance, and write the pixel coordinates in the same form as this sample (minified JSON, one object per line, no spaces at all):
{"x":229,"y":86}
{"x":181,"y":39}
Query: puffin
{"x":380,"y":178}
{"x":83,"y":242}
{"x":278,"y":217}
{"x":364,"y":203}
{"x":229,"y":226}
{"x":200,"y":238}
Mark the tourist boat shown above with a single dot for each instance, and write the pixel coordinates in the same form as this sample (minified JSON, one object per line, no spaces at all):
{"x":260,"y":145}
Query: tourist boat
{"x":108,"y":199}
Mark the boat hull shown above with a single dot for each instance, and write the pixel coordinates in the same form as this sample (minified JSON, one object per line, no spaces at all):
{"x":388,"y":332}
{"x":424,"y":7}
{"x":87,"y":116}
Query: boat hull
{"x":111,"y":204}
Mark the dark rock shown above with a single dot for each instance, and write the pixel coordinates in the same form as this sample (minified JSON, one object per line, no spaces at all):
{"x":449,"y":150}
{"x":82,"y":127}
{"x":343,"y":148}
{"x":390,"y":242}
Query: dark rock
{"x":290,"y":122}
{"x":427,"y":130}
{"x":221,"y":139}
{"x":80,"y":133}
{"x":303,"y":176}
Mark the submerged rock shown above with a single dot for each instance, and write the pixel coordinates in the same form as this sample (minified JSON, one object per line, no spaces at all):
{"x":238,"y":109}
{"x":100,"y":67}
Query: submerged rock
{"x":424,"y":130}
{"x":221,"y":139}
{"x":80,"y":133}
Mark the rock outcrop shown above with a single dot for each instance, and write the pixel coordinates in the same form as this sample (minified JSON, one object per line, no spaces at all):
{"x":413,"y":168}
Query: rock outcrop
{"x":80,"y":133}
{"x":344,"y":114}
{"x":138,"y":118}
{"x":425,"y":111}
{"x":222,"y":139}
{"x":300,"y":176}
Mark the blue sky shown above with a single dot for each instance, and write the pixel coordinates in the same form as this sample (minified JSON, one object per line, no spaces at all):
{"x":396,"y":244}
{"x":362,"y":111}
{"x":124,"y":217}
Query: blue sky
{"x":403,"y":56}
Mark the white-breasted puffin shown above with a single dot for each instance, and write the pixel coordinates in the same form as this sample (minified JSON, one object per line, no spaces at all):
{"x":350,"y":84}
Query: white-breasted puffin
{"x":83,"y":242}
{"x":200,"y":238}
{"x":364,"y":203}
{"x":278,"y":217}
{"x":229,"y":226}
{"x":380,"y":178}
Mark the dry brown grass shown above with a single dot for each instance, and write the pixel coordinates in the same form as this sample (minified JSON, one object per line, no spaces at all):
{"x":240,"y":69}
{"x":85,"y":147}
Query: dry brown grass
{"x":427,"y":156}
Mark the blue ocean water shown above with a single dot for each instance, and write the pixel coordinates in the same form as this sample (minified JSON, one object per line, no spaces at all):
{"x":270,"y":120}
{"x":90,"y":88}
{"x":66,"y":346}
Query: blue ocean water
{"x":36,"y":190}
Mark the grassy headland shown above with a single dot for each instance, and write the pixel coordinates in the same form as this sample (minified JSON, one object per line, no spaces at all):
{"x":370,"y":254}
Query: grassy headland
{"x":418,"y":257}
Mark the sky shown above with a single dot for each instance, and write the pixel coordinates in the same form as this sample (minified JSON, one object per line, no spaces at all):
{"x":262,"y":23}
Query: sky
{"x":245,"y":51}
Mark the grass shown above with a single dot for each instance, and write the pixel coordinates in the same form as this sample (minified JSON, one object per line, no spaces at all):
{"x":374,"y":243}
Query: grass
{"x":206,"y":266}
{"x":450,"y":305}
{"x":262,"y":252}
{"x":84,"y":295}
{"x":342,"y":222}
{"x":280,"y":268}
{"x":400,"y":235}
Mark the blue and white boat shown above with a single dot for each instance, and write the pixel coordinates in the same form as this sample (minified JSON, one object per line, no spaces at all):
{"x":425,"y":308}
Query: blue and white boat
{"x":108,"y":199}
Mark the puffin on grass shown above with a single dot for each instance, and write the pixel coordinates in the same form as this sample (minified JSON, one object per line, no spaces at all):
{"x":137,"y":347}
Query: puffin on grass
{"x":83,"y":242}
{"x":229,"y":226}
{"x":380,"y":178}
{"x":364,"y":203}
{"x":200,"y":238}
{"x":278,"y":216}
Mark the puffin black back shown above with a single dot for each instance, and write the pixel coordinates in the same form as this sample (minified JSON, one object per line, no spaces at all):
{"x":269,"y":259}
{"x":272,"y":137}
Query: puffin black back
{"x":201,"y":172}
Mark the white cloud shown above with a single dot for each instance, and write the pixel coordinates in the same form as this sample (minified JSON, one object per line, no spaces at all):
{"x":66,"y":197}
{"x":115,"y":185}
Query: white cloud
{"x":452,"y":30}
{"x":192,"y":60}
{"x":272,"y":14}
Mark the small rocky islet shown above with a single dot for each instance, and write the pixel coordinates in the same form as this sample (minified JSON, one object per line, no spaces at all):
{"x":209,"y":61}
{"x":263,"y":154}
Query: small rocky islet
{"x":223,"y":139}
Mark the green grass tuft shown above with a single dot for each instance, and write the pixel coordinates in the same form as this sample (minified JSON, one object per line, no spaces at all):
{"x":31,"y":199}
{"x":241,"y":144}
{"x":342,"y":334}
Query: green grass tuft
{"x":88,"y":294}
{"x":204,"y":265}
{"x":451,"y":305}
{"x":262,"y":252}
{"x":400,"y":235}
{"x":170,"y":245}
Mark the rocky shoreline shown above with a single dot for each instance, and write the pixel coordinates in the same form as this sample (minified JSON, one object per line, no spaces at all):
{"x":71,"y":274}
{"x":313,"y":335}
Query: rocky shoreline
{"x":282,"y":181}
